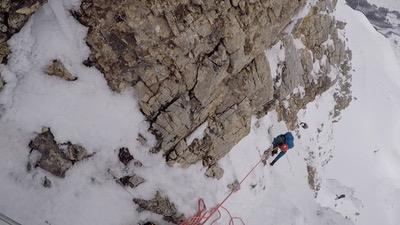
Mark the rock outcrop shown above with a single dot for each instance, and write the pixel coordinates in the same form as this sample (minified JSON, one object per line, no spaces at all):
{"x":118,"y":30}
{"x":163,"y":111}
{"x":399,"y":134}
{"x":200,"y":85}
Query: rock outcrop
{"x":56,"y":158}
{"x":125,"y":157}
{"x":190,"y":62}
{"x":214,"y":171}
{"x":2,"y":83}
{"x":46,"y":182}
{"x":162,"y":206}
{"x":132,"y":181}
{"x":13,"y":16}
{"x":57,"y":68}
{"x":193,"y":62}
{"x":321,"y":61}
{"x":147,"y":223}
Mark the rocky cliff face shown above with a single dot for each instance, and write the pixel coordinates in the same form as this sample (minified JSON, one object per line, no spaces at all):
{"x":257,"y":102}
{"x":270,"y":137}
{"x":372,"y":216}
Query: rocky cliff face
{"x":203,"y":62}
{"x":13,"y":16}
{"x":320,"y":61}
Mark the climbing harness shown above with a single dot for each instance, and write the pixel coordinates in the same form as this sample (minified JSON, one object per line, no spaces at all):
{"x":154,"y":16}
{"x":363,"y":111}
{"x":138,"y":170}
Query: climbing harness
{"x":203,"y":214}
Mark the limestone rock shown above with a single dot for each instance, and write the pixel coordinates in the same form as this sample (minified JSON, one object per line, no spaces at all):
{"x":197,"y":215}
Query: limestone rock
{"x":183,"y":58}
{"x":52,"y":158}
{"x":141,"y":139}
{"x":74,"y":152}
{"x":313,"y":180}
{"x":125,"y":156}
{"x":2,"y":83}
{"x":148,"y":223}
{"x":137,"y":163}
{"x":293,"y":72}
{"x":55,"y":158}
{"x":46,"y":182}
{"x":4,"y":51}
{"x":214,"y":171}
{"x":132,"y":181}
{"x":231,"y":121}
{"x":234,"y":186}
{"x":13,"y":15}
{"x":56,"y":68}
{"x":197,"y":61}
{"x":318,"y":31}
{"x":160,"y":205}
{"x":343,"y":95}
{"x":235,"y":3}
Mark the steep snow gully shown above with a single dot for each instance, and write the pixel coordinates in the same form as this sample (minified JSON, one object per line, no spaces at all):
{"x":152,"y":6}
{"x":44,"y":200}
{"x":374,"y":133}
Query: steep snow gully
{"x":356,"y":157}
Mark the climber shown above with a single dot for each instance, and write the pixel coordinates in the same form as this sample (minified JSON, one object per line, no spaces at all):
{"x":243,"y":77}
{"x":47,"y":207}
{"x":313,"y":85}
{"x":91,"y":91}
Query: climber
{"x":284,"y":142}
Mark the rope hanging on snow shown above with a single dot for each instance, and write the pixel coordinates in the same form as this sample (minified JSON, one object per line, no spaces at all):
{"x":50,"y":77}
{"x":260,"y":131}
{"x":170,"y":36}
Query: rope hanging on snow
{"x":203,"y":214}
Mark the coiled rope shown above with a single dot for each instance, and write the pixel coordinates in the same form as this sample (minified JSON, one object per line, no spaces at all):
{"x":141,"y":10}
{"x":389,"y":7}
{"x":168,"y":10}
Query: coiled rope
{"x":203,"y":214}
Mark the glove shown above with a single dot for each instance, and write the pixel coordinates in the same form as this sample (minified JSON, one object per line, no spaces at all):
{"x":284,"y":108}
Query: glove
{"x":264,"y":155}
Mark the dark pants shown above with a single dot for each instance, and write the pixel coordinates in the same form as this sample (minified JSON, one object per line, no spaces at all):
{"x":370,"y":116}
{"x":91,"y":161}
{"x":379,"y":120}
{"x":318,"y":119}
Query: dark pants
{"x":280,"y":139}
{"x":282,"y":153}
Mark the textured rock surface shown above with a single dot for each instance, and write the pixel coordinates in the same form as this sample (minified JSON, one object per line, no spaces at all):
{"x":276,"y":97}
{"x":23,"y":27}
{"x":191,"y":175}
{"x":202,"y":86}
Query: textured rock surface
{"x":214,"y":171}
{"x":46,"y":182}
{"x":148,"y":223}
{"x":142,"y":140}
{"x":132,"y":181}
{"x":56,"y":158}
{"x":2,"y":83}
{"x":52,"y":158}
{"x":74,"y":152}
{"x":313,"y":180}
{"x":203,"y":61}
{"x":233,"y":187}
{"x":318,"y":31}
{"x":160,"y":205}
{"x":124,"y":155}
{"x":56,"y":68}
{"x":13,"y":15}
{"x":191,"y":62}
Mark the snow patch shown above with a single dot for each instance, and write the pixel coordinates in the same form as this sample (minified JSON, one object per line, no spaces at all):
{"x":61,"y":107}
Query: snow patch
{"x":197,"y":134}
{"x":298,"y":44}
{"x":300,"y":91}
{"x":275,"y":56}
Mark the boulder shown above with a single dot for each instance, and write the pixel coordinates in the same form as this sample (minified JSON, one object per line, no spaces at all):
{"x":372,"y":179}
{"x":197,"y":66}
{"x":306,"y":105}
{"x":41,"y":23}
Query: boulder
{"x":56,"y":68}
{"x":54,"y":157}
{"x":160,"y":205}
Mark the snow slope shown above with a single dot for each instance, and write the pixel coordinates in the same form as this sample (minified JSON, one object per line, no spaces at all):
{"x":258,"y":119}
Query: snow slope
{"x":390,"y":4}
{"x":358,"y":155}
{"x":87,"y":112}
{"x":366,"y":158}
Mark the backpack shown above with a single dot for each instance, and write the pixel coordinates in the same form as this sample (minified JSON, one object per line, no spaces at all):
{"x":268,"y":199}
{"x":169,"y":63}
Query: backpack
{"x":289,"y":139}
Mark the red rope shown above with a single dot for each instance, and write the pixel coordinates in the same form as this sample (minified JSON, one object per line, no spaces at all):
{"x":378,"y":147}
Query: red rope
{"x":203,"y":214}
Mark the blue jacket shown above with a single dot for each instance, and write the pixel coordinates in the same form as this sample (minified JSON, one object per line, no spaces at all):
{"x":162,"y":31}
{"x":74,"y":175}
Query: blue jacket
{"x":284,"y":138}
{"x":289,"y":139}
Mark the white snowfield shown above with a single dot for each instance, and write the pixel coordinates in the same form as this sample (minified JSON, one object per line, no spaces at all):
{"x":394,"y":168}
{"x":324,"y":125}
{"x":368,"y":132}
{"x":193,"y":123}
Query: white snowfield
{"x":390,"y":4}
{"x":364,"y":159}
